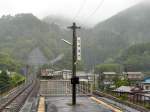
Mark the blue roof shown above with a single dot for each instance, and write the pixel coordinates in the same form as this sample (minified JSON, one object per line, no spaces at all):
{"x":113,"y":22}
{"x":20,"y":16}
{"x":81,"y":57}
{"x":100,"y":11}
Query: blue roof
{"x":146,"y":80}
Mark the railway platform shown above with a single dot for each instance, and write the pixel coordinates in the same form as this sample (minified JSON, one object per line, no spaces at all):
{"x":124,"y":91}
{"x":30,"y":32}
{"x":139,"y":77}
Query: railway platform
{"x":84,"y":104}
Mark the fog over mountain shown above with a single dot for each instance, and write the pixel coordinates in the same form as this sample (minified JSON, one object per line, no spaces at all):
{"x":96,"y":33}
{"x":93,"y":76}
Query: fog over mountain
{"x":22,"y":33}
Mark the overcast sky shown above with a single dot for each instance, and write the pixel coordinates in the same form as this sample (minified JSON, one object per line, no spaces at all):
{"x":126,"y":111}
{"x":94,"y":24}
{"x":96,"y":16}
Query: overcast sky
{"x":67,"y":8}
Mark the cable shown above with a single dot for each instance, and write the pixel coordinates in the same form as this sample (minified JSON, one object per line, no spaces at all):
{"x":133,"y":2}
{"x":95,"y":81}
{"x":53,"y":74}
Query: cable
{"x":80,"y":9}
{"x":99,"y":6}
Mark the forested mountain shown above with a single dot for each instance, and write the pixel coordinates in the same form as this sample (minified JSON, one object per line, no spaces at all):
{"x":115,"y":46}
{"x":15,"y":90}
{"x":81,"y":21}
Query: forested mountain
{"x":17,"y":34}
{"x":22,"y":33}
{"x":136,"y":57}
{"x":109,"y":38}
{"x":6,"y":62}
{"x":131,"y":24}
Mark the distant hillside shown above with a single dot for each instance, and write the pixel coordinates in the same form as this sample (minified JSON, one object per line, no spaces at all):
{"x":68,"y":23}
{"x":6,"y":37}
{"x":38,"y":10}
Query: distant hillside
{"x":132,"y":24}
{"x":136,"y":57}
{"x":21,"y":33}
{"x":6,"y":62}
{"x":109,"y":38}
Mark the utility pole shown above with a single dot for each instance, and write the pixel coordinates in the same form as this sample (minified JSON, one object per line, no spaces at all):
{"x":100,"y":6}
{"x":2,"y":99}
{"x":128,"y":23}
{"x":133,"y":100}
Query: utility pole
{"x":74,"y":79}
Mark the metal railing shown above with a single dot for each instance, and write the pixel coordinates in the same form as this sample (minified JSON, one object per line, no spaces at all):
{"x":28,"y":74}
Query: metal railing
{"x":64,"y":88}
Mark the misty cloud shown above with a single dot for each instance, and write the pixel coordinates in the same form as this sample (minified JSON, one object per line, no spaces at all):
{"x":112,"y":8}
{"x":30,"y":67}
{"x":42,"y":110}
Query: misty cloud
{"x":67,"y":8}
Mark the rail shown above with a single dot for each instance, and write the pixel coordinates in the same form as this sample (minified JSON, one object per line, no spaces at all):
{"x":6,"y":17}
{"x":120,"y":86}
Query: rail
{"x":14,"y":101}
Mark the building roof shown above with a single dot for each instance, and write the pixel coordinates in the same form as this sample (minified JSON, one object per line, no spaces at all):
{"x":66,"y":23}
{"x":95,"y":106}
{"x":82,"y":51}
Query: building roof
{"x":146,"y":94}
{"x":132,"y":73}
{"x":146,"y":80}
{"x":82,"y":73}
{"x":124,"y":89}
{"x":48,"y":69}
{"x":57,"y":71}
{"x":129,"y":89}
{"x":65,"y":70}
{"x":147,"y":91}
{"x":109,"y":73}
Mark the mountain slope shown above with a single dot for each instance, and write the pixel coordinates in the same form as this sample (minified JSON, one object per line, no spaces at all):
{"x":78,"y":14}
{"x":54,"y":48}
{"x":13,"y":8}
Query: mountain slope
{"x":21,"y":33}
{"x":109,"y":38}
{"x":132,"y":24}
{"x":136,"y":57}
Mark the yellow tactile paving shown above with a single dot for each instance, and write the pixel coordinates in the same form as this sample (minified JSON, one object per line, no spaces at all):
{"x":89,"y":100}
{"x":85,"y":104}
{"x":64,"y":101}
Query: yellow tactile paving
{"x":41,"y":107}
{"x":105,"y":104}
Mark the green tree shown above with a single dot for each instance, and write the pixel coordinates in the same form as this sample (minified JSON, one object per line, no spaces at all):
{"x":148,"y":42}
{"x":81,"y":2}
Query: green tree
{"x":136,"y":57}
{"x":16,"y":79}
{"x":120,"y":82}
{"x":107,"y":68}
{"x":4,"y":79}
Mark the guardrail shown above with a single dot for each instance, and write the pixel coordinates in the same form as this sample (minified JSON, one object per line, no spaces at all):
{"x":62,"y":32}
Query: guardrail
{"x":64,"y":88}
{"x":140,"y":108}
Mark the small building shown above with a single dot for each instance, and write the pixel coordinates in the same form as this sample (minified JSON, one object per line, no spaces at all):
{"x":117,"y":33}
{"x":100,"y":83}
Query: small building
{"x":67,"y":74}
{"x":129,"y":89}
{"x":58,"y":75}
{"x":47,"y":73}
{"x":133,"y":93}
{"x":84,"y":75}
{"x":134,"y":77}
{"x":106,"y":79}
{"x":146,"y":84}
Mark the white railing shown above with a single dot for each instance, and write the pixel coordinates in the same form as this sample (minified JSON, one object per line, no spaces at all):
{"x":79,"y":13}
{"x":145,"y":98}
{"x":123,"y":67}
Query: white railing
{"x":64,"y":88}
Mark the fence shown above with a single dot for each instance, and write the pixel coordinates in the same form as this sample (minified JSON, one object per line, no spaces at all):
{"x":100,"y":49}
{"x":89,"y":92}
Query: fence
{"x":64,"y":88}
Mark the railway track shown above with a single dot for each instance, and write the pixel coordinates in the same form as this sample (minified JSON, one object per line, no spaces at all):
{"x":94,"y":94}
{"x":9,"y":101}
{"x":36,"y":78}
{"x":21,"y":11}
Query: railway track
{"x":14,"y":102}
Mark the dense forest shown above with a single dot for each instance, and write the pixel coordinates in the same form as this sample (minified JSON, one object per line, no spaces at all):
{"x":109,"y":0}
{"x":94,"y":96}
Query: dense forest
{"x":136,"y":57}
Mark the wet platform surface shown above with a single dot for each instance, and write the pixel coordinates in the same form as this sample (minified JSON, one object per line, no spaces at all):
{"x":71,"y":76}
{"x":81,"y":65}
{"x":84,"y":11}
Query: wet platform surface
{"x":63,"y":104}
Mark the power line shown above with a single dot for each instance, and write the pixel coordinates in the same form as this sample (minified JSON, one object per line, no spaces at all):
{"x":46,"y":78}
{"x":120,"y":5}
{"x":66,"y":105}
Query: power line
{"x":96,"y":9}
{"x":80,"y":9}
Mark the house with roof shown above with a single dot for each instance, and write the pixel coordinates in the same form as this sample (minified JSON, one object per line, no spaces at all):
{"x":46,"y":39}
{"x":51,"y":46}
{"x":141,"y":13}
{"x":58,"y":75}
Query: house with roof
{"x":134,"y":77}
{"x":146,"y":84}
{"x":132,"y":93}
{"x":84,"y":75}
{"x":106,"y":79}
{"x":128,"y":89}
{"x":123,"y":89}
{"x":47,"y":73}
{"x":67,"y":74}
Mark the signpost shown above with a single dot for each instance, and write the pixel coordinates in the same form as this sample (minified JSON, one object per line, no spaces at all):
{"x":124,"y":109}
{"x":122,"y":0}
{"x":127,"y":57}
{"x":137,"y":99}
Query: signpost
{"x":78,"y":48}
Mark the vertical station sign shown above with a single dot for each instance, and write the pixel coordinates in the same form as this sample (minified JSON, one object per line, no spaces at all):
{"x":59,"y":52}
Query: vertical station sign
{"x":78,"y":48}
